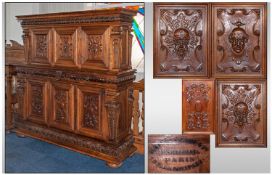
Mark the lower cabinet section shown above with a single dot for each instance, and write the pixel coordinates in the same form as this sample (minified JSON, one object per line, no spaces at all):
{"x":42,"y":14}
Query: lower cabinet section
{"x":62,"y":114}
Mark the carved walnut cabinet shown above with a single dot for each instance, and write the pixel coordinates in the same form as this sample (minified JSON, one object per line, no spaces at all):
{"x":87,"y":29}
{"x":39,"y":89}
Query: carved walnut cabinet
{"x":74,"y":81}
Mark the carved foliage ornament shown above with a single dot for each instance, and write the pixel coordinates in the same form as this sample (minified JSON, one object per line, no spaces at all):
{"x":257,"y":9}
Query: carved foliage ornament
{"x":238,"y":43}
{"x":41,"y":45}
{"x":196,"y":95}
{"x":37,"y":100}
{"x":241,"y":113}
{"x":95,"y":47}
{"x":180,"y":37}
{"x":91,"y":111}
{"x":66,"y":46}
{"x":61,"y":105}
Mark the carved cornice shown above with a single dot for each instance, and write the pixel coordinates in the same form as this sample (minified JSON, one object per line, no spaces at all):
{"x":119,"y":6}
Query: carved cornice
{"x":76,"y":75}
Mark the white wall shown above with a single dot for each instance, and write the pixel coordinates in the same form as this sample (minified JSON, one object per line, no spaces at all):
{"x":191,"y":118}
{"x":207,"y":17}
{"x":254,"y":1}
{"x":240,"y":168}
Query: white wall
{"x":163,"y":115}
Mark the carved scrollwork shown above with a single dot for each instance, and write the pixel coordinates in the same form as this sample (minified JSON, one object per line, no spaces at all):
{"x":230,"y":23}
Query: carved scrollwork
{"x":61,"y":106}
{"x":95,"y":46}
{"x":91,"y":111}
{"x":66,"y":46}
{"x":41,"y":45}
{"x":181,"y":38}
{"x":37,"y":99}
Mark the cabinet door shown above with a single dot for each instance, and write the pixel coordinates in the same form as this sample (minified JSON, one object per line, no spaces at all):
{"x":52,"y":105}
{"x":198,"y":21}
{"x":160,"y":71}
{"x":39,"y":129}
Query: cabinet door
{"x":65,"y":47}
{"x":241,"y":112}
{"x":90,"y":111}
{"x":180,"y":40}
{"x":239,"y":40}
{"x":37,"y":101}
{"x":197,"y":106}
{"x":41,"y":47}
{"x":62,"y":106}
{"x":94,"y":47}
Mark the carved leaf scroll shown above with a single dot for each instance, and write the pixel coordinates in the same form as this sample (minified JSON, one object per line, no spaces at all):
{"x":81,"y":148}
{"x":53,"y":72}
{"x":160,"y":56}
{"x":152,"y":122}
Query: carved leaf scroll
{"x":91,"y":111}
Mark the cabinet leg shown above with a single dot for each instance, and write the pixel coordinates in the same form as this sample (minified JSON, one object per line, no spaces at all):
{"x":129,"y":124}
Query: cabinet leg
{"x":114,"y":165}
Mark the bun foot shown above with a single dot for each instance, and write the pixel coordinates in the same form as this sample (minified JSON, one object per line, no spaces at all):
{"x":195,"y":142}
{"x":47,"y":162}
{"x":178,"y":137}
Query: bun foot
{"x":114,"y":165}
{"x":20,"y":135}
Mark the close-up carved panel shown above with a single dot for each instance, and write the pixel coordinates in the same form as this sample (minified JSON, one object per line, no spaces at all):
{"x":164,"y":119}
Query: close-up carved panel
{"x":239,"y":40}
{"x":197,"y":106}
{"x":178,"y":153}
{"x":180,"y":40}
{"x":241,"y":113}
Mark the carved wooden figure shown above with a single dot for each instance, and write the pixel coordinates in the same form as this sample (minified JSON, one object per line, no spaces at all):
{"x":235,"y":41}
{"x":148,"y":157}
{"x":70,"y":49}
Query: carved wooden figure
{"x":239,"y":40}
{"x":241,"y":113}
{"x":180,"y":40}
{"x":178,"y":153}
{"x":74,"y":81}
{"x":198,"y":106}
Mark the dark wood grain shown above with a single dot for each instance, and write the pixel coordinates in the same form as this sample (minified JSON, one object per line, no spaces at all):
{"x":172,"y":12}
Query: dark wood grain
{"x":178,"y":153}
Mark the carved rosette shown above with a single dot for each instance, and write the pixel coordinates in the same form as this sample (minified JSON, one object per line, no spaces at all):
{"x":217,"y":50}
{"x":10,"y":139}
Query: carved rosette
{"x":196,"y":95}
{"x":241,"y":113}
{"x":239,"y":33}
{"x":95,"y":47}
{"x":113,"y":112}
{"x":91,"y":111}
{"x":181,"y":38}
{"x":41,"y":45}
{"x":61,"y":105}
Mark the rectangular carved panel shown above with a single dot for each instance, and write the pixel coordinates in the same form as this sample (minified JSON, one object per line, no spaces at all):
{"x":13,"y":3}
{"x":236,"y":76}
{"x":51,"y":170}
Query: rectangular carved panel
{"x":89,"y":114}
{"x":198,"y":106}
{"x":239,"y":40}
{"x":65,"y":45}
{"x":37,"y":105}
{"x":180,"y":40}
{"x":241,"y":112}
{"x":178,"y":153}
{"x":62,"y":106}
{"x":40,"y":46}
{"x":21,"y":96}
{"x":94,"y":47}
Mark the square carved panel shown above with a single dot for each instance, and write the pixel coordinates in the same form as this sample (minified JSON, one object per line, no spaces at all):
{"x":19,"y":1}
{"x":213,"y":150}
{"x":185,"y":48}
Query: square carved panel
{"x":94,"y":47}
{"x":40,"y":47}
{"x":178,"y":153}
{"x":241,"y":112}
{"x":37,"y":103}
{"x":62,"y":106}
{"x":239,"y":40}
{"x":198,"y":106}
{"x":180,"y":40}
{"x":65,"y":47}
{"x":89,"y":114}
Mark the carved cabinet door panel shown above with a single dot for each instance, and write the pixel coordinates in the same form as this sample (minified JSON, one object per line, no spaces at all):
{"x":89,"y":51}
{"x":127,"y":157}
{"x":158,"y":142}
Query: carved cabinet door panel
{"x":40,"y":46}
{"x":241,"y":112}
{"x":94,"y":47}
{"x":180,"y":40}
{"x":21,"y":96}
{"x":197,"y":106}
{"x":62,"y":116}
{"x":178,"y":153}
{"x":90,"y":110}
{"x":37,"y":103}
{"x":65,"y":47}
{"x":239,"y":40}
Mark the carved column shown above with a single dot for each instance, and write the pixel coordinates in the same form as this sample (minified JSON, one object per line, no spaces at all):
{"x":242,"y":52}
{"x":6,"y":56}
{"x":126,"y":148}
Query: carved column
{"x":113,"y":112}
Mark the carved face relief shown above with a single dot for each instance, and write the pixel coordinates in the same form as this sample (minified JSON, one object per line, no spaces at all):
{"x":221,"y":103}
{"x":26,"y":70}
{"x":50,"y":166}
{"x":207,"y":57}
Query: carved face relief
{"x":240,"y":113}
{"x":238,"y":39}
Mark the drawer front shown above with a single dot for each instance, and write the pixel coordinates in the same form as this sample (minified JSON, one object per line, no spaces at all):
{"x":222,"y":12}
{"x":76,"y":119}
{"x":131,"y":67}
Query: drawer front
{"x":180,"y":40}
{"x":198,"y":106}
{"x":62,"y":116}
{"x":90,"y":120}
{"x":37,"y":105}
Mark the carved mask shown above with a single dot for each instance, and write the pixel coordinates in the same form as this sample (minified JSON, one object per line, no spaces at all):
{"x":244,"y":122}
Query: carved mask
{"x":240,"y":113}
{"x":238,"y":38}
{"x":181,"y":39}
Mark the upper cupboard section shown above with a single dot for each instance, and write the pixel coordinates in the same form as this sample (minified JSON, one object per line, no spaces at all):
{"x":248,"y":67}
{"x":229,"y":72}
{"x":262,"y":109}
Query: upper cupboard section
{"x":223,"y":40}
{"x":99,"y":40}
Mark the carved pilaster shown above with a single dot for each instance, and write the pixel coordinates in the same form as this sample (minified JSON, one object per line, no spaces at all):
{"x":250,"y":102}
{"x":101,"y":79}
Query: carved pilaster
{"x":113,"y":112}
{"x":26,"y":39}
{"x":130,"y":105}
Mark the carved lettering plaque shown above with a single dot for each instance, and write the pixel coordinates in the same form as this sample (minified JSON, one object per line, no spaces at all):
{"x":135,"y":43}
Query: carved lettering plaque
{"x":241,"y":113}
{"x":239,"y":40}
{"x":180,"y":40}
{"x":178,"y":154}
{"x":197,"y":106}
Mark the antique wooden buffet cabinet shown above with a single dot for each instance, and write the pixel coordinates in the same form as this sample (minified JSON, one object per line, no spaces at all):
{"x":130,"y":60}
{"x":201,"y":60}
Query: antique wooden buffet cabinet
{"x":73,"y":81}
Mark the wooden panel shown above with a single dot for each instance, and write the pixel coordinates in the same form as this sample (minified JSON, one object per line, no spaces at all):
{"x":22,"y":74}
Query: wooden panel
{"x":37,"y":104}
{"x":21,"y":97}
{"x":239,"y":40}
{"x":62,"y":106}
{"x":197,"y":106}
{"x":178,"y":154}
{"x":241,"y":112}
{"x":94,"y":47}
{"x":65,"y":46}
{"x":90,"y":111}
{"x":180,"y":40}
{"x":40,"y":47}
